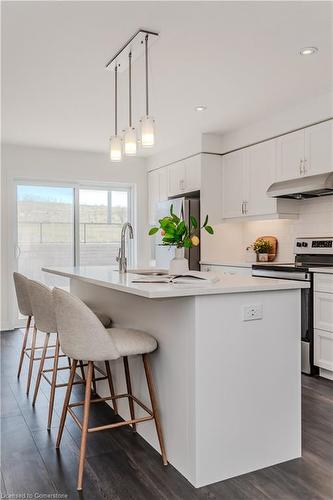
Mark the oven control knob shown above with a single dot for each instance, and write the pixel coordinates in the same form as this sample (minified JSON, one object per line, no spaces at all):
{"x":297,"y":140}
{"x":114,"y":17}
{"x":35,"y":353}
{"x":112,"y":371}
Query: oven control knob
{"x":304,"y":244}
{"x":298,"y":244}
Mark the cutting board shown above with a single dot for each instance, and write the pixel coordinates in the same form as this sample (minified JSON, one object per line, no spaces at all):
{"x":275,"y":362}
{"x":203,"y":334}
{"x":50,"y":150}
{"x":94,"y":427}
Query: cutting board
{"x":274,"y":242}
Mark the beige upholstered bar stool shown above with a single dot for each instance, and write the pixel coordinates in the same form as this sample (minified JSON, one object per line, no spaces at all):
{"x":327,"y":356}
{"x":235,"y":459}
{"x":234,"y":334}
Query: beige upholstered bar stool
{"x":23,"y":300}
{"x":77,"y":325}
{"x":43,"y":310}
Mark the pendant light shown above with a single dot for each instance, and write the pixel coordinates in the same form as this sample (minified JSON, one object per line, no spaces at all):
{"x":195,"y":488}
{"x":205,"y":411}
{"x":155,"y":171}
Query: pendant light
{"x":115,"y":140}
{"x":147,"y":122}
{"x":130,"y":134}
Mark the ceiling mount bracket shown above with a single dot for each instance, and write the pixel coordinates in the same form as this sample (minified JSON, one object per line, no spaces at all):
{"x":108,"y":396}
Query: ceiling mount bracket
{"x":135,"y":45}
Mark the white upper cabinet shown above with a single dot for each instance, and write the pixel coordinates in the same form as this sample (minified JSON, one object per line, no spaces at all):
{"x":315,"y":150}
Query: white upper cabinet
{"x":233,"y":184}
{"x":153,"y":194}
{"x":290,"y":154}
{"x":319,"y":148}
{"x":246,"y":176}
{"x":157,"y":190}
{"x":306,"y":152}
{"x":260,"y":173}
{"x":185,"y":176}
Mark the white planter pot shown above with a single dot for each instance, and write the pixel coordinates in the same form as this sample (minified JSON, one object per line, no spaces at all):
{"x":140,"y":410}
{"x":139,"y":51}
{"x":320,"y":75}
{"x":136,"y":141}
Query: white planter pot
{"x":263,"y":257}
{"x":178,"y":265}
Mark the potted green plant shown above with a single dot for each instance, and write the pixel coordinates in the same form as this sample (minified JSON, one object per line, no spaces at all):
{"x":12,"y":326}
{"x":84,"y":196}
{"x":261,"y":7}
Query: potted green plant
{"x":176,"y":232}
{"x":262,"y":248}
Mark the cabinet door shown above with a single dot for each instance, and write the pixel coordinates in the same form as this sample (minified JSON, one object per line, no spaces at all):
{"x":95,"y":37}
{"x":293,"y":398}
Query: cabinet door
{"x":323,"y":311}
{"x":233,"y":185}
{"x":163,"y":179}
{"x":193,"y":173}
{"x":290,"y":153}
{"x":153,"y":194}
{"x":323,"y":349}
{"x":319,"y":148}
{"x":176,"y":179}
{"x":260,"y":173}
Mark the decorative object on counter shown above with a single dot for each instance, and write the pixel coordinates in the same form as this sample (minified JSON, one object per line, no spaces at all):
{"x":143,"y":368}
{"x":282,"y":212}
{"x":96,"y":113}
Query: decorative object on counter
{"x":274,"y":242}
{"x":250,"y":255}
{"x":262,"y":248}
{"x":176,"y":232}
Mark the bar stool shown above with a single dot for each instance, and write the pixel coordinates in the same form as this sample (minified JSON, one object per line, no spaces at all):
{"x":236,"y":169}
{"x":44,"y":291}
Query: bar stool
{"x":76,"y":325}
{"x":45,"y":321}
{"x":24,"y":305}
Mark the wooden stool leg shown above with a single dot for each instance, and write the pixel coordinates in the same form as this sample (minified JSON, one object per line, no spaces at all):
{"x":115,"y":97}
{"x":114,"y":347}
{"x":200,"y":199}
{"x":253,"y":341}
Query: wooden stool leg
{"x":32,"y":357}
{"x":85,"y":424}
{"x":53,"y":383}
{"x":129,"y":391}
{"x":156,"y":415}
{"x":82,"y":370}
{"x":66,"y":402}
{"x":24,"y":345}
{"x":108,"y":372}
{"x":41,"y":367}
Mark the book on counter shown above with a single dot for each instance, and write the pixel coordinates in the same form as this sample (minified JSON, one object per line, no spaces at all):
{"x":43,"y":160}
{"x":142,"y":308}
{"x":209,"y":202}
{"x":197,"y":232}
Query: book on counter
{"x":189,"y":278}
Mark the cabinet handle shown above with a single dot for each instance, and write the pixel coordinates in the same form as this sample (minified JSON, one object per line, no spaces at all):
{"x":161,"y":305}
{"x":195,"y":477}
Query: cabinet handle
{"x":245,"y":207}
{"x":304,"y":166}
{"x":301,"y":167}
{"x":242,"y":209}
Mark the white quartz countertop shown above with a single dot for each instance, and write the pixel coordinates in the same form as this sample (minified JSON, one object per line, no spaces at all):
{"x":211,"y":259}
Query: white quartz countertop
{"x":324,"y":270}
{"x":109,"y":277}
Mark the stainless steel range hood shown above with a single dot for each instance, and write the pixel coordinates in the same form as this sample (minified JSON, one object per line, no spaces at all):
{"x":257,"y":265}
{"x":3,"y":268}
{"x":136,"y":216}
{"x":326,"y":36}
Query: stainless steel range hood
{"x":303,"y":187}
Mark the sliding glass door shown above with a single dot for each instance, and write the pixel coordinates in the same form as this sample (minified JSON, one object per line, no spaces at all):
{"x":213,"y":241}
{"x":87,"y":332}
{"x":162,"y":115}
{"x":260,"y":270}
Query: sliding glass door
{"x":69,"y":225}
{"x":45,"y":230}
{"x":102,"y":214}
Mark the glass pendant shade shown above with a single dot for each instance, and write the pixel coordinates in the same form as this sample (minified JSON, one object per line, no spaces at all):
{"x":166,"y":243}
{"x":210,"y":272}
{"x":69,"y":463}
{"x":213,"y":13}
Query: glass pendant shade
{"x":130,"y":142}
{"x":115,"y":148}
{"x":147,"y":132}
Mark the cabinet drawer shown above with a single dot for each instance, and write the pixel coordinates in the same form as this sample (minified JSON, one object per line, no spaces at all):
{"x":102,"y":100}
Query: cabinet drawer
{"x":323,"y":349}
{"x":323,"y":311}
{"x":323,"y":283}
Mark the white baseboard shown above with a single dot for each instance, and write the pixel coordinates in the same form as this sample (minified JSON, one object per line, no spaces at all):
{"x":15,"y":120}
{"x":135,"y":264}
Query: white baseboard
{"x":326,"y":373}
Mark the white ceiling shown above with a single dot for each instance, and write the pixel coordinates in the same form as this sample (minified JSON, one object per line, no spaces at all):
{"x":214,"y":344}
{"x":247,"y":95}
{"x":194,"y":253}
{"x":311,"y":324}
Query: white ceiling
{"x":238,"y":58}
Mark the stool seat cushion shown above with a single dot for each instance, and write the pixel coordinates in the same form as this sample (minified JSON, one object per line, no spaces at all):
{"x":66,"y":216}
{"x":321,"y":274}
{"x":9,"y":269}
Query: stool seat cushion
{"x":129,"y":342}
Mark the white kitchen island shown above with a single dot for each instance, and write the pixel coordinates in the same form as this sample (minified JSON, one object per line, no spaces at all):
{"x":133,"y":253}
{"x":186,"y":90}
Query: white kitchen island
{"x":229,"y":390}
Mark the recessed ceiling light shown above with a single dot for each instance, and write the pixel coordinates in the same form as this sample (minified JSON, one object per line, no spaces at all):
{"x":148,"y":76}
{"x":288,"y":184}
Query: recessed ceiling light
{"x":308,"y":51}
{"x":202,"y":107}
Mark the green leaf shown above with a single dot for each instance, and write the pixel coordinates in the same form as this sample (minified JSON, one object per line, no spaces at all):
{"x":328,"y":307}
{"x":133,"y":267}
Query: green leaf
{"x":171,"y":209}
{"x":187,"y":242}
{"x":194,"y":221}
{"x":175,"y":218}
{"x":181,"y":228}
{"x":209,"y":229}
{"x":152,"y":231}
{"x":206,"y":221}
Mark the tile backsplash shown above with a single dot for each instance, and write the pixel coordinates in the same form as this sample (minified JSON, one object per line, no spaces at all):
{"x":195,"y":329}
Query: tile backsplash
{"x":231,"y":239}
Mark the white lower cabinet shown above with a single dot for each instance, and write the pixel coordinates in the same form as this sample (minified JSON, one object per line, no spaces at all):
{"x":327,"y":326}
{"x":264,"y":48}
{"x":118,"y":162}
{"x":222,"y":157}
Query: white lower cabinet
{"x":323,"y":323}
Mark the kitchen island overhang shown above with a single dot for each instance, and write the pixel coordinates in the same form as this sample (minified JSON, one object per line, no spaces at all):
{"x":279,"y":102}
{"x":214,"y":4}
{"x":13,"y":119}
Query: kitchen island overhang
{"x":229,"y":390}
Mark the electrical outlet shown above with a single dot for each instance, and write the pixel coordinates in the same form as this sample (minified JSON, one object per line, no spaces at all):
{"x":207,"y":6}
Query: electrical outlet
{"x":252,"y":312}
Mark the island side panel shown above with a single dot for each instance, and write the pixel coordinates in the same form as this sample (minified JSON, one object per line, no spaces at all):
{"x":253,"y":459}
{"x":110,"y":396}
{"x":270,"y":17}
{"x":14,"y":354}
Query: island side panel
{"x":248,"y":384}
{"x":171,"y":322}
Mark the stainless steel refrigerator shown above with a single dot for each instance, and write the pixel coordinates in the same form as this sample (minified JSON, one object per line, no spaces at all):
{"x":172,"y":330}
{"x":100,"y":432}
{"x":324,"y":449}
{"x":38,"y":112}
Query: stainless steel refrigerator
{"x":184,"y":208}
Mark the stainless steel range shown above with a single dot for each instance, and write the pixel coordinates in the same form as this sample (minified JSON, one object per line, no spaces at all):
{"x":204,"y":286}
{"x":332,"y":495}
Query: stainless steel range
{"x":310,"y":253}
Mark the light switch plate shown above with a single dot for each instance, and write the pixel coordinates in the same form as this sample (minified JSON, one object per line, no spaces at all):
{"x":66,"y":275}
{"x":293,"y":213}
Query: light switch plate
{"x":252,"y":312}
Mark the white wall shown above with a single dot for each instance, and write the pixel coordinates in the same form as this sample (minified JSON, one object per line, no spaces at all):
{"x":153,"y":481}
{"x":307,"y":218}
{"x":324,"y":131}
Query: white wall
{"x":30,"y":163}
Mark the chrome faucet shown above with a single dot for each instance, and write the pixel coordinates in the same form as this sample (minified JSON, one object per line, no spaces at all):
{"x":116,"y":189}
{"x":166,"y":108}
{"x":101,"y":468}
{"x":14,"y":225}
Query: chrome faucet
{"x":121,"y":258}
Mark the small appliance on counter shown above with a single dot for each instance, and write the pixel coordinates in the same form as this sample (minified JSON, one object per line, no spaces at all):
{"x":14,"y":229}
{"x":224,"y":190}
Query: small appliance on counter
{"x":310,"y":253}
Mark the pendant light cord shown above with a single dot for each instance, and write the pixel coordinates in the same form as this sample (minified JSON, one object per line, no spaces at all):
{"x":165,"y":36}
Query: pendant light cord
{"x":146,"y":54}
{"x":116,"y":100}
{"x":130,"y":89}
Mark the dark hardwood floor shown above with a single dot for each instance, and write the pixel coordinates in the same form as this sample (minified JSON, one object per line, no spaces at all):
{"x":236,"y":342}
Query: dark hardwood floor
{"x":122,"y":466}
